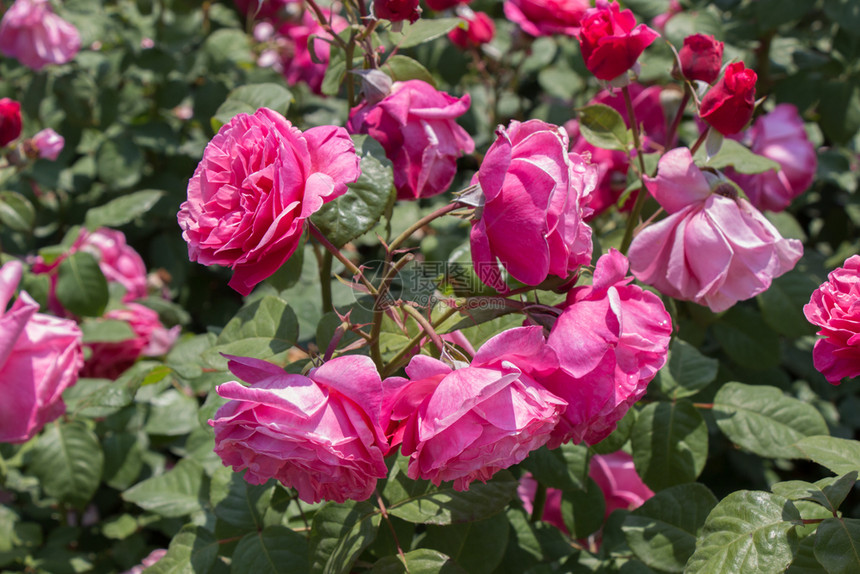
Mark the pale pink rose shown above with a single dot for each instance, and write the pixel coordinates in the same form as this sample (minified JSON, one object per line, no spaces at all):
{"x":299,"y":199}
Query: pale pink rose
{"x":674,"y":9}
{"x":835,"y":308}
{"x":40,"y":357}
{"x":546,"y":17}
{"x":469,"y":423}
{"x":259,"y":180}
{"x":526,"y":491}
{"x":35,"y":36}
{"x":147,"y":562}
{"x":151,"y":339}
{"x":416,"y":125}
{"x":778,"y":135}
{"x":714,"y":249}
{"x":611,"y":339}
{"x":319,"y":433}
{"x":617,"y":477}
{"x":48,"y":144}
{"x":532,"y":219}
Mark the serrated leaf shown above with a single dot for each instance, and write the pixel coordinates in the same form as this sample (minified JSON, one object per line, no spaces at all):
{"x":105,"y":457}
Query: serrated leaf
{"x":123,"y":209}
{"x":828,"y":492}
{"x":687,"y":371}
{"x":736,"y":155}
{"x":837,"y":454}
{"x":177,"y":492}
{"x":424,"y":30}
{"x":421,"y":561}
{"x":662,"y":532}
{"x":16,"y":211}
{"x":603,"y":127}
{"x":273,"y":550}
{"x":583,"y":511}
{"x":340,"y":533}
{"x":748,"y":531}
{"x":747,"y":339}
{"x":81,"y":285}
{"x":68,"y":460}
{"x":782,"y":304}
{"x":123,"y":459}
{"x":97,"y":397}
{"x":564,"y":468}
{"x":804,"y":561}
{"x":837,"y":545}
{"x":765,"y":421}
{"x":193,"y":550}
{"x":476,"y":546}
{"x":670,"y":444}
{"x":364,"y":203}
{"x":403,"y":68}
{"x":241,"y":504}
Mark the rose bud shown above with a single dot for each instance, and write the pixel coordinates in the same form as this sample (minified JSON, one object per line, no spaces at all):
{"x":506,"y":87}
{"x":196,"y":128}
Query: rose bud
{"x":701,"y":58}
{"x":729,"y":104}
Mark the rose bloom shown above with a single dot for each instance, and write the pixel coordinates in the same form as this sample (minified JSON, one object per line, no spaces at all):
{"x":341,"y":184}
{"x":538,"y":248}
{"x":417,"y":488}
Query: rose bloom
{"x":546,"y":17}
{"x":714,"y":248}
{"x":778,"y":135}
{"x":701,"y":58}
{"x":35,"y":36}
{"x":729,"y":104}
{"x":416,"y":125}
{"x":40,"y":357}
{"x":10,"y":121}
{"x":478,"y":31}
{"x":151,"y":339}
{"x":439,"y":5}
{"x":259,"y":180}
{"x":532,"y":219}
{"x":469,"y":423}
{"x":48,"y":144}
{"x":611,"y":339}
{"x":835,"y":308}
{"x":610,"y":40}
{"x":151,"y":559}
{"x":616,"y":476}
{"x":319,"y":433}
{"x":397,"y":10}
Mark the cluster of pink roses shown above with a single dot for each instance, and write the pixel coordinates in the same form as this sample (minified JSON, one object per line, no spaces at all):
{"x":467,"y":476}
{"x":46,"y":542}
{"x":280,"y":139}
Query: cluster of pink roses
{"x":35,"y":36}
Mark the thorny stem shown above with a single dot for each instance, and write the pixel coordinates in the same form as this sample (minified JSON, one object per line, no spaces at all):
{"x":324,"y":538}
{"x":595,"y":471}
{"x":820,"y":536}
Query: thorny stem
{"x":425,"y":326}
{"x":395,"y":361}
{"x":448,"y":208}
{"x":632,"y":222}
{"x":379,"y":307}
{"x":384,"y":512}
{"x":340,"y":257}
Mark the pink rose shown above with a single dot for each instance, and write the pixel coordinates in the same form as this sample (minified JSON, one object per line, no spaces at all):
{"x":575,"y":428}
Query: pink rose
{"x":714,"y":249}
{"x":416,"y":125}
{"x":610,"y":40}
{"x":259,"y":180}
{"x":478,"y":31}
{"x":611,"y":339}
{"x":439,"y":5}
{"x":834,"y":308}
{"x":10,"y":121}
{"x":319,"y":433}
{"x":469,"y":423}
{"x":532,"y":216}
{"x":48,"y":144}
{"x":778,"y":135}
{"x":35,"y":36}
{"x":546,"y":17}
{"x":40,"y":357}
{"x":151,"y":339}
{"x":617,"y":477}
{"x":729,"y":104}
{"x":293,"y":38}
{"x":151,"y":559}
{"x":701,"y":58}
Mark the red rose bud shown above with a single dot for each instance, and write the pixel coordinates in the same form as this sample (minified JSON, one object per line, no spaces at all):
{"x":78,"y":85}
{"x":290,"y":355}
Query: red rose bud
{"x":479,"y":30}
{"x":10,"y":121}
{"x":729,"y":104}
{"x":439,"y":5}
{"x":610,"y":40}
{"x":701,"y":58}
{"x":397,"y":10}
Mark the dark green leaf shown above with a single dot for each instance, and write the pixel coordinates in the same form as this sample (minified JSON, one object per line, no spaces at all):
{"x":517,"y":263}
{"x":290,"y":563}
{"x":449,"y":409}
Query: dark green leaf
{"x":16,"y":211}
{"x":476,"y":546}
{"x":425,"y":30}
{"x":782,"y":304}
{"x":81,"y":286}
{"x":804,"y":559}
{"x":273,"y":550}
{"x":123,"y":209}
{"x":123,"y":459}
{"x":687,"y":372}
{"x":837,"y":454}
{"x":619,"y":436}
{"x":837,"y":545}
{"x":238,"y":503}
{"x":565,"y":467}
{"x":604,"y":127}
{"x":402,"y":68}
{"x":421,"y":561}
{"x":193,"y":550}
{"x":120,"y":162}
{"x":747,"y":339}
{"x":68,"y":460}
{"x":583,"y":510}
{"x":178,"y":492}
{"x":741,"y":158}
{"x":828,"y":492}
{"x":340,"y":533}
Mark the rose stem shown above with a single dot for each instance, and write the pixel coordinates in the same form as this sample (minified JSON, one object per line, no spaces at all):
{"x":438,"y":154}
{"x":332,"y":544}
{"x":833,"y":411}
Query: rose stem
{"x":539,"y":503}
{"x":643,"y":191}
{"x":340,"y":257}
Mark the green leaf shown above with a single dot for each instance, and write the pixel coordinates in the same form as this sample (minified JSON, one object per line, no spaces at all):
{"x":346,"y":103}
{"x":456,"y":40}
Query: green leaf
{"x":746,"y":339}
{"x":123,"y":459}
{"x":583,"y":510}
{"x":264,"y":329}
{"x":687,"y":372}
{"x":425,"y":30}
{"x":97,"y":397}
{"x":241,"y":504}
{"x":81,"y":285}
{"x":670,"y":444}
{"x":249,"y":98}
{"x":604,"y":127}
{"x":476,"y":546}
{"x":402,"y":68}
{"x":172,"y":414}
{"x":16,"y":211}
{"x":840,"y":110}
{"x":120,"y":162}
{"x":123,"y":209}
{"x":804,"y":561}
{"x":828,"y":492}
{"x":765,"y":421}
{"x":105,"y":331}
{"x":68,"y":460}
{"x":565,"y":467}
{"x":178,"y":492}
{"x":782,"y":304}
{"x":358,"y":210}
{"x":748,"y":531}
{"x":837,"y":454}
{"x":741,"y":158}
{"x":421,"y":561}
{"x":193,"y":549}
{"x":340,"y":533}
{"x":619,"y":436}
{"x":273,"y":550}
{"x":837,"y":545}
{"x":662,"y":532}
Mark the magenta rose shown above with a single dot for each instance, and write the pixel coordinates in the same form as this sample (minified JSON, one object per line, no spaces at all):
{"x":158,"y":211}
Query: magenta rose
{"x":469,"y":423}
{"x":319,"y":433}
{"x":834,"y":308}
{"x":701,"y":58}
{"x":546,"y":17}
{"x":439,"y":5}
{"x":729,"y":104}
{"x":259,"y":180}
{"x":47,"y":144}
{"x":479,"y":29}
{"x":151,"y":339}
{"x":610,"y":40}
{"x":31,"y":33}
{"x":778,"y":135}
{"x":416,"y":125}
{"x":10,"y":121}
{"x":611,"y":339}
{"x":40,"y":357}
{"x":532,"y":219}
{"x":397,"y":10}
{"x":616,"y":476}
{"x":294,"y":38}
{"x":714,"y":248}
